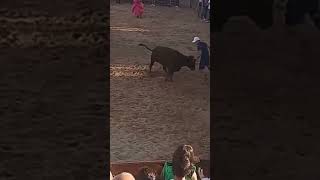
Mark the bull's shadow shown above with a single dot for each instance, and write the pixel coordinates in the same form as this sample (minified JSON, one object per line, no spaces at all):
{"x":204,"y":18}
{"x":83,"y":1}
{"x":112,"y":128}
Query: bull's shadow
{"x":182,"y":76}
{"x":184,"y":79}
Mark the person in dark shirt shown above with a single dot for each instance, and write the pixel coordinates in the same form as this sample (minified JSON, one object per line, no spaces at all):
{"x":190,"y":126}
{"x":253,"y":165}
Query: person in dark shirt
{"x":205,"y":5}
{"x":204,"y":57}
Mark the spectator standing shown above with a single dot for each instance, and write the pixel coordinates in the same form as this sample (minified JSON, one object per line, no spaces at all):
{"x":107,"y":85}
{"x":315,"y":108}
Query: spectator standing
{"x":182,"y":166}
{"x":137,"y":8}
{"x":208,"y":14}
{"x":204,"y":9}
{"x":199,"y":8}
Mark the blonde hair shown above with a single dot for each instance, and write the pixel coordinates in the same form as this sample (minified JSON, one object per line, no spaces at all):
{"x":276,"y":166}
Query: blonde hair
{"x":124,"y":176}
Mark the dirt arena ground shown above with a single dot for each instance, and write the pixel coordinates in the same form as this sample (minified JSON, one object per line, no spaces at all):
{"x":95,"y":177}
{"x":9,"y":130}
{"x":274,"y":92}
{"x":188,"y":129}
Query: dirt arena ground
{"x":151,"y":117}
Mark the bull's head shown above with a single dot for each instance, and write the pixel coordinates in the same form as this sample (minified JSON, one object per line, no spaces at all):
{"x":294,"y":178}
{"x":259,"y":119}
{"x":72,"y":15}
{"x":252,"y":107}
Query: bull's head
{"x":191,"y":62}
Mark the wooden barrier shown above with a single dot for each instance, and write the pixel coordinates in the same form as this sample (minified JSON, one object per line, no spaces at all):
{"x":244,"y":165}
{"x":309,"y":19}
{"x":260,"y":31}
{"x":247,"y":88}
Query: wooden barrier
{"x":134,"y":167}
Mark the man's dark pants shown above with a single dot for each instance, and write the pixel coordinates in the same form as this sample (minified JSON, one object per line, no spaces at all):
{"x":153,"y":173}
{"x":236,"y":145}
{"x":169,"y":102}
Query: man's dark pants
{"x":204,"y":61}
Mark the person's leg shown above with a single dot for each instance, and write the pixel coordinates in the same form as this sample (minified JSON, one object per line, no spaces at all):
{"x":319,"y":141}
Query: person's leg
{"x":208,"y":16}
{"x":204,"y":14}
{"x":204,"y":62}
{"x":207,"y":61}
{"x":199,"y":9}
{"x":177,"y":3}
{"x":201,"y":64}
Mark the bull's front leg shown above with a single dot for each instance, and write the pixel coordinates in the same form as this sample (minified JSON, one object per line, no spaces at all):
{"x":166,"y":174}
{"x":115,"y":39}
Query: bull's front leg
{"x":164,"y":69}
{"x":167,"y":77}
{"x":170,"y":75}
{"x":150,"y":67}
{"x":151,"y":64}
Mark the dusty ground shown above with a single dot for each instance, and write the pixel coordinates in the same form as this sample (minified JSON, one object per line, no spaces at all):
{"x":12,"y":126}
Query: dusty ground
{"x":149,"y":117}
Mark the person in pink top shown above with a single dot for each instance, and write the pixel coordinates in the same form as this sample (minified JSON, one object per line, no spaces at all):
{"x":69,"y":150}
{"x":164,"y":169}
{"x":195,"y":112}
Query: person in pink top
{"x":137,"y":8}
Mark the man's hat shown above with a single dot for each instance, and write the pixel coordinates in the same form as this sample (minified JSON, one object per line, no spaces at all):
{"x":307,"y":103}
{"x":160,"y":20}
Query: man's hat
{"x":195,"y":39}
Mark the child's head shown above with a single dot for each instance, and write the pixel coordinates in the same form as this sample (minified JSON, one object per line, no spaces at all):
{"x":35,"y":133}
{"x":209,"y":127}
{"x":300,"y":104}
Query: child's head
{"x":124,"y":176}
{"x":146,"y":173}
{"x":182,"y":161}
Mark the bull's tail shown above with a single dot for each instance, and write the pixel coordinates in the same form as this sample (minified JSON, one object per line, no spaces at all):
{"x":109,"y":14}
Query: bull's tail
{"x":145,"y":46}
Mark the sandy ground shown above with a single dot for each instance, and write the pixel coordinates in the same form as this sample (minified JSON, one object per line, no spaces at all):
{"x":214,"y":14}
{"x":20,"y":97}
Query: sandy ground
{"x":151,"y":117}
